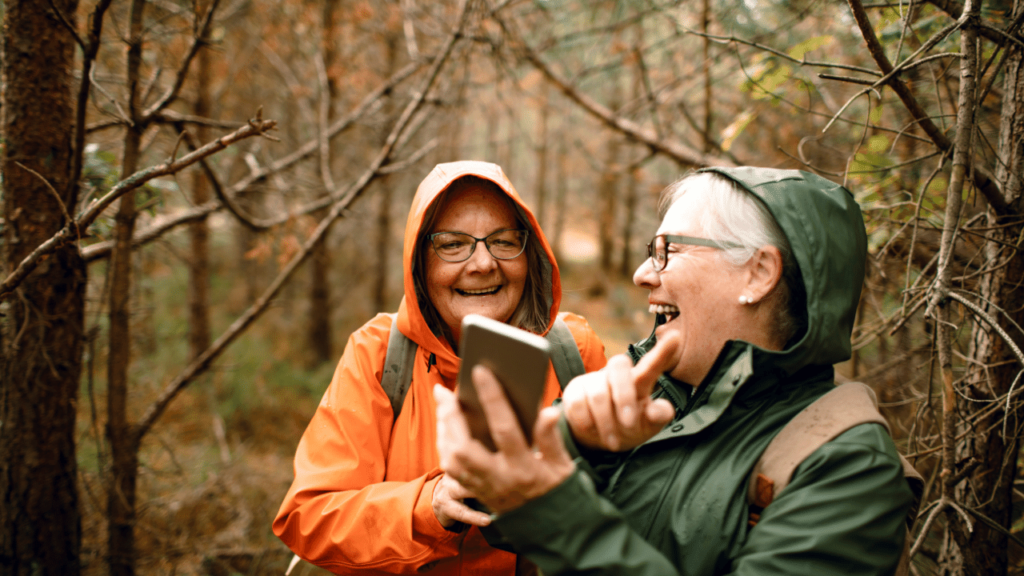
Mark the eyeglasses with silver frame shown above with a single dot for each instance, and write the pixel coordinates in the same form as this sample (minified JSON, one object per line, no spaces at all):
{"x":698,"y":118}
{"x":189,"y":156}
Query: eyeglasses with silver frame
{"x":657,"y":249}
{"x":504,"y":244}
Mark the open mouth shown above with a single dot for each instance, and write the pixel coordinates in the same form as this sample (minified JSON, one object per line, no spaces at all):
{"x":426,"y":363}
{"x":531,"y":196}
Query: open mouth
{"x":481,"y":292}
{"x":670,"y":312}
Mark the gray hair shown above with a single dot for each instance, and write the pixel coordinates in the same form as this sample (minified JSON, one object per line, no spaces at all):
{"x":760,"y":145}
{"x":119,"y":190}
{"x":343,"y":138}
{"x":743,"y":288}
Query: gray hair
{"x":534,"y":308}
{"x":734,"y":214}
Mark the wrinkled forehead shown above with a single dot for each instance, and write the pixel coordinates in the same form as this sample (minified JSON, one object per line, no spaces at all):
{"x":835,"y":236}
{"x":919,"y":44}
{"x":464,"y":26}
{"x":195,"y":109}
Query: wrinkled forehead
{"x":462,"y":204}
{"x":685,"y":214}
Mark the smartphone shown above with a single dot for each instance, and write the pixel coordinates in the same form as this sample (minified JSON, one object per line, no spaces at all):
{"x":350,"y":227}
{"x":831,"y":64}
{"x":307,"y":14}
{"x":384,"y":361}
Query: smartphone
{"x":520,"y":361}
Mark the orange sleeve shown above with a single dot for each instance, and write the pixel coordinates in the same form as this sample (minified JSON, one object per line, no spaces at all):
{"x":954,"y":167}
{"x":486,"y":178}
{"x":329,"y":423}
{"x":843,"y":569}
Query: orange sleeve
{"x":339,"y":513}
{"x":591,"y":347}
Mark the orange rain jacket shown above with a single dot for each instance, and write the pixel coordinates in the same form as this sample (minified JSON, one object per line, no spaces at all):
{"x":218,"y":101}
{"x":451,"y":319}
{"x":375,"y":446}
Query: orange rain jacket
{"x":361,"y":499}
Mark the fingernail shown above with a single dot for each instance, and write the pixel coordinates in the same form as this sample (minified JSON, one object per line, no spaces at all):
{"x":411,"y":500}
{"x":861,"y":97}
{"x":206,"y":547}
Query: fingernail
{"x":612,"y":442}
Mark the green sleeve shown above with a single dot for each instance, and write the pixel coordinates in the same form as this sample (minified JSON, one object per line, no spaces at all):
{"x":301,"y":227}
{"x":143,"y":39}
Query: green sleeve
{"x":843,"y":513}
{"x":572,"y":530}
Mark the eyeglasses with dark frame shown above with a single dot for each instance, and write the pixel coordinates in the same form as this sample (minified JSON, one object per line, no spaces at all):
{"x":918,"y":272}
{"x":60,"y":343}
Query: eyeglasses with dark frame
{"x":504,"y":244}
{"x":657,"y":249}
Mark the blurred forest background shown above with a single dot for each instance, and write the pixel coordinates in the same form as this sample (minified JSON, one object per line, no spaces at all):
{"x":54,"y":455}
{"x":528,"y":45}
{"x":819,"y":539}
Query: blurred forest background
{"x":202,"y":198}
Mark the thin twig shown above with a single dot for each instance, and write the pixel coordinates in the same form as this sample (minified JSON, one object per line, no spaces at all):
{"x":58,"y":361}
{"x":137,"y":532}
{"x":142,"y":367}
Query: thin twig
{"x":67,"y":24}
{"x":56,"y":196}
{"x":412,"y":159}
{"x":239,"y":213}
{"x":939,"y":505}
{"x":179,"y":78}
{"x":988,"y":187}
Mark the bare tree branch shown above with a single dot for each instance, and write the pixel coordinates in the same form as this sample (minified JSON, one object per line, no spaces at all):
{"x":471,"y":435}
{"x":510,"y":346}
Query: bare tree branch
{"x":101,"y":250}
{"x":371,"y":101}
{"x":681,"y":153}
{"x":68,"y":233}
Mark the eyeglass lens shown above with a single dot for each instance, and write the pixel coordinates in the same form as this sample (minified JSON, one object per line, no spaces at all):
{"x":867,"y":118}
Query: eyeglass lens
{"x":456,"y":246}
{"x":657,"y":251}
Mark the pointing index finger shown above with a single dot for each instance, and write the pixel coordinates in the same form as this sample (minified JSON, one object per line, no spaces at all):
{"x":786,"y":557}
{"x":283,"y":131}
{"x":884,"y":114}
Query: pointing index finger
{"x":660,"y":359}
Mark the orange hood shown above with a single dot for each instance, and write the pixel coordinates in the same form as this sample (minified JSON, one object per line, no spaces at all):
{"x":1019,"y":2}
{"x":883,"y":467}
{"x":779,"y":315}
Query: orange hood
{"x":410,"y":319}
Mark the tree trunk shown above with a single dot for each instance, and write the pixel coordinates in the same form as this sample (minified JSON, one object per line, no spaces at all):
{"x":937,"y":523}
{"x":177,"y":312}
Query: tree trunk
{"x":608,"y":189}
{"x":540,"y":188}
{"x":385,"y":185}
{"x":41,"y":323}
{"x":199,"y":232}
{"x":120,"y":433}
{"x":629,"y":209}
{"x":561,"y":197}
{"x":321,"y":345}
{"x":632,"y":182}
{"x":705,"y":22}
{"x":984,"y":550}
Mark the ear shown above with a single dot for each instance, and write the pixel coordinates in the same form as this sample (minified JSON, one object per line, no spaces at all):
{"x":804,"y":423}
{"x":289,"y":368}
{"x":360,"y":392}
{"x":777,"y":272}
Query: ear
{"x":764,"y":272}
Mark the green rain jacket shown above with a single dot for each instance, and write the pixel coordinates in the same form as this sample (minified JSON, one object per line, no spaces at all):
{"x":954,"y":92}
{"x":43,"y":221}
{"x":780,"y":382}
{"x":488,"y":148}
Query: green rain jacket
{"x":677,"y":504}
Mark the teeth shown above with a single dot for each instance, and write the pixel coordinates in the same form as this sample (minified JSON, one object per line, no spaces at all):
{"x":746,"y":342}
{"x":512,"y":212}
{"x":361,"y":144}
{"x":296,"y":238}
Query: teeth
{"x":666,"y":309}
{"x":480,"y":292}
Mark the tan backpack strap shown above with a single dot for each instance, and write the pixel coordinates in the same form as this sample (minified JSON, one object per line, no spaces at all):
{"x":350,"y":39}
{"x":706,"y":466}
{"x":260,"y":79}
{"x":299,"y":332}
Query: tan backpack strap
{"x":842,"y":408}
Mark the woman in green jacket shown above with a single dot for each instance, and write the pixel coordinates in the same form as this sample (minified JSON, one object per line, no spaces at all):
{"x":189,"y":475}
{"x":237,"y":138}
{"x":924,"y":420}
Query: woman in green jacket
{"x":754,"y":277}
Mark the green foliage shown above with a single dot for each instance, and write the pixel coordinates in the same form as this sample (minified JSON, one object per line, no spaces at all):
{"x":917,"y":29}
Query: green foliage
{"x":877,"y":144}
{"x":766,"y":80}
{"x":809,"y":45}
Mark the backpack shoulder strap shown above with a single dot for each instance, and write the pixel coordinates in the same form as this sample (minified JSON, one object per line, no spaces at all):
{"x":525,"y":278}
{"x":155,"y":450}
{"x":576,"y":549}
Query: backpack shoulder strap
{"x":565,"y":354}
{"x":842,"y":408}
{"x":398,"y":363}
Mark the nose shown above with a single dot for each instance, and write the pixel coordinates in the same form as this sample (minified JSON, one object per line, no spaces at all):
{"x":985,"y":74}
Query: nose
{"x":645,"y":275}
{"x":481,"y":259}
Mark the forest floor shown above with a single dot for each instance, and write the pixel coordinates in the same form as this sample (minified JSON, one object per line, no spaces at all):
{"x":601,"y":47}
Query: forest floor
{"x":216,"y":466}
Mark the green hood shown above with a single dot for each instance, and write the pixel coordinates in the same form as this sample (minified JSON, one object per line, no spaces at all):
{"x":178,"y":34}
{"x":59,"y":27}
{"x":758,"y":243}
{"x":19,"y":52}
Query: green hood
{"x":825,"y":228}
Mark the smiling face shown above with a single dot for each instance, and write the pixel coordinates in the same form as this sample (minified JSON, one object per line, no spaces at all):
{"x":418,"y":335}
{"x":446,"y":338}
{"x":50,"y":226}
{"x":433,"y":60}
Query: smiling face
{"x":482,"y":284}
{"x":698,"y":290}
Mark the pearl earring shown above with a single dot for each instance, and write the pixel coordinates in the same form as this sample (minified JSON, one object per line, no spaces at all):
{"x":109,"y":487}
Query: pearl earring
{"x":744,"y":299}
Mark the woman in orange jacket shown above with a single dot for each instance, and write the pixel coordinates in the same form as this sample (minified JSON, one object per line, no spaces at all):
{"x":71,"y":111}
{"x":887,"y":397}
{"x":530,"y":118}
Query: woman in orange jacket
{"x":368,"y":496}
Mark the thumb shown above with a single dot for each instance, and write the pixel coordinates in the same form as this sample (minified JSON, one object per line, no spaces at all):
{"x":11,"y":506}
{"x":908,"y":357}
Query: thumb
{"x":659,"y":412}
{"x":660,"y":359}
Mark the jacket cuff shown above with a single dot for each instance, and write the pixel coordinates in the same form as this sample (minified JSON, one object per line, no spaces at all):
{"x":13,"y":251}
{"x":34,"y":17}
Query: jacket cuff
{"x":543,"y":521}
{"x":424,"y":520}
